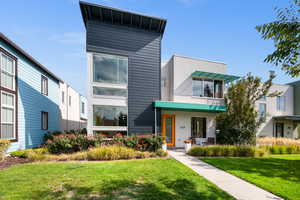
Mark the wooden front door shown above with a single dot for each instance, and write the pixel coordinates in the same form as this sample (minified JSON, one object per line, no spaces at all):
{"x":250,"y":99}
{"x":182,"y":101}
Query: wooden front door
{"x":168,"y":128}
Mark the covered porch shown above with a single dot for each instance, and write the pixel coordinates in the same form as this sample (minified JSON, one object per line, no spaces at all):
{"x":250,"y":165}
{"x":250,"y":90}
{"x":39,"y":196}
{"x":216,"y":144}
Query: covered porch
{"x":185,"y":121}
{"x":286,"y":126}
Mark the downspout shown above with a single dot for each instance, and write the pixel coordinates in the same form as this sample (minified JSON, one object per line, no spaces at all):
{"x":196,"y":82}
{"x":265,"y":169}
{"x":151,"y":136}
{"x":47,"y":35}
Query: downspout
{"x":155,"y":123}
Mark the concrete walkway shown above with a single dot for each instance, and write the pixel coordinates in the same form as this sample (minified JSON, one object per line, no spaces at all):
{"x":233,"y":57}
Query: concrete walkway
{"x":234,"y":186}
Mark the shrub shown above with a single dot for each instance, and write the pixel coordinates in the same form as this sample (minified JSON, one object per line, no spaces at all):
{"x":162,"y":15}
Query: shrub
{"x":25,"y":153}
{"x":277,"y":141}
{"x":282,"y":149}
{"x":111,"y":153}
{"x":4,"y":144}
{"x":226,"y":151}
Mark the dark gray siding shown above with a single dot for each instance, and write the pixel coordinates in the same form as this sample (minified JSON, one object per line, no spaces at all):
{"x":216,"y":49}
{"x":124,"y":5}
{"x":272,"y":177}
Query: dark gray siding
{"x":143,"y":50}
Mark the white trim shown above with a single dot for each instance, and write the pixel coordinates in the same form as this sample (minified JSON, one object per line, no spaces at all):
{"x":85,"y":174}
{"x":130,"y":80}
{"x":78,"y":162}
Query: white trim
{"x":14,"y":112}
{"x":8,"y":73}
{"x":109,"y":128}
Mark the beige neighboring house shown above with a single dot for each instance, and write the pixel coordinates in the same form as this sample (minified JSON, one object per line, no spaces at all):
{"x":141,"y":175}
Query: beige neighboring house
{"x":73,"y":108}
{"x":281,"y":120}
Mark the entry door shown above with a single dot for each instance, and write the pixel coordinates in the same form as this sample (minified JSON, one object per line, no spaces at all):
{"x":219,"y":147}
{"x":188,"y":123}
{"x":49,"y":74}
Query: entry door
{"x":168,"y":128}
{"x":279,"y":130}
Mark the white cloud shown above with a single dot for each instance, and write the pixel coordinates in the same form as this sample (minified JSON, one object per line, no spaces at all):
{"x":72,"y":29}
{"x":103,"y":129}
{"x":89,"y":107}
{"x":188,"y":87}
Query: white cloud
{"x":70,"y":38}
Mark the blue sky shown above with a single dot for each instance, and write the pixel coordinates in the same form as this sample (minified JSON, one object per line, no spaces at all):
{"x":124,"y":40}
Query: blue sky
{"x":52,"y":31}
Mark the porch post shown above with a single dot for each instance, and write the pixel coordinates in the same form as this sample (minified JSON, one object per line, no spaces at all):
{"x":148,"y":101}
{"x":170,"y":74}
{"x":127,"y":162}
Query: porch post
{"x":155,"y":123}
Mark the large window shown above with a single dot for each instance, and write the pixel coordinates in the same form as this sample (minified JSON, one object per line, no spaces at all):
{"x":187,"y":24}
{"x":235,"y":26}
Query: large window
{"x":280,"y":101}
{"x":44,"y":85}
{"x":109,"y":115}
{"x":109,"y":91}
{"x":110,"y":69}
{"x":7,"y":115}
{"x":198,"y":127}
{"x":262,"y":110}
{"x":7,"y":72}
{"x":8,"y":97}
{"x":207,"y":88}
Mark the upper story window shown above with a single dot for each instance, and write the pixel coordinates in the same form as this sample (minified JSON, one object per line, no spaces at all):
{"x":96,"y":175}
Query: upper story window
{"x":110,"y":69}
{"x":44,"y":85}
{"x":82,"y":108}
{"x":280,"y":103}
{"x":7,"y":72}
{"x":109,"y":91}
{"x":262,"y":110}
{"x":207,"y":88}
{"x":62,"y":97}
{"x":70,"y":100}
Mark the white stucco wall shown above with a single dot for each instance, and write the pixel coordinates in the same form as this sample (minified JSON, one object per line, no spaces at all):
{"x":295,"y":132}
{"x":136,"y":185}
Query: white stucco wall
{"x":183,"y":125}
{"x":268,"y":128}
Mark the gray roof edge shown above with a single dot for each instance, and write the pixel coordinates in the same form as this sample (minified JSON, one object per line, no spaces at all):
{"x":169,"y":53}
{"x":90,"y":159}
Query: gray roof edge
{"x":29,"y":57}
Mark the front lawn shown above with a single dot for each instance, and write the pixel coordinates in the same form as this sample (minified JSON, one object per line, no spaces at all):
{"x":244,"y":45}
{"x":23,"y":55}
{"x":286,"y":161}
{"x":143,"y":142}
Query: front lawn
{"x":279,"y":174}
{"x":137,"y":179}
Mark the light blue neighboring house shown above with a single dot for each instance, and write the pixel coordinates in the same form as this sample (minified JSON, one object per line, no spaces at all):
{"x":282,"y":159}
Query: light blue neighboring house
{"x":29,"y":97}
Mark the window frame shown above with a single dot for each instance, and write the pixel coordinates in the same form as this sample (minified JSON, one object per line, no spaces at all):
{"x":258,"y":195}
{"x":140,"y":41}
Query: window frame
{"x":204,"y":121}
{"x":42,"y":120}
{"x":108,"y":55}
{"x":203,"y":79}
{"x":278,"y":103}
{"x":44,"y":78}
{"x":265,"y":111}
{"x":113,"y":127}
{"x":63,"y":97}
{"x":9,"y":91}
{"x":14,"y":112}
{"x":82,"y":108}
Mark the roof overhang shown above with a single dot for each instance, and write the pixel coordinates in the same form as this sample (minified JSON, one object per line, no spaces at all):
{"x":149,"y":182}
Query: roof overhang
{"x":29,"y":57}
{"x":288,"y":117}
{"x":168,"y":105}
{"x":90,"y":11}
{"x":225,"y":77}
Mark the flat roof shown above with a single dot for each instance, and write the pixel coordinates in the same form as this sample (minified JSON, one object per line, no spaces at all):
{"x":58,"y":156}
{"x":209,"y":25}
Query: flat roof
{"x":91,"y":11}
{"x":192,"y":107}
{"x":29,"y":57}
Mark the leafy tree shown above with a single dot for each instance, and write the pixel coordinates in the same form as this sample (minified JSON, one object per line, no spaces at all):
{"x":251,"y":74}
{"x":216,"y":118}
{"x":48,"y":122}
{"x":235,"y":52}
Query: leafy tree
{"x":239,"y":124}
{"x":285,"y":32}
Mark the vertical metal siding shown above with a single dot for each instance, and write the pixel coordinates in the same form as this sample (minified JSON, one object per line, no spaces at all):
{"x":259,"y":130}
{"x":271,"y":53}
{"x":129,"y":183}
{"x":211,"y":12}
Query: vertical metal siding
{"x":144,"y":53}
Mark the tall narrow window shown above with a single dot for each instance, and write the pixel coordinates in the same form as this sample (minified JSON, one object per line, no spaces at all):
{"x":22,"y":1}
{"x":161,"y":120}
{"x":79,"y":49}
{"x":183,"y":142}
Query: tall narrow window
{"x":44,"y":120}
{"x":62,"y":97}
{"x":70,"y":101}
{"x":7,"y":115}
{"x":7,"y":72}
{"x":280,"y":103}
{"x":199,"y":127}
{"x":44,"y":85}
{"x":198,"y":87}
{"x":218,"y":89}
{"x":262,"y":110}
{"x":82,"y":107}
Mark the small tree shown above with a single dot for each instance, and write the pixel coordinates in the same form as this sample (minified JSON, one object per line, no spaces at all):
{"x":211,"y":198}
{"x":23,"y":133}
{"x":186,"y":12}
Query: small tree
{"x":285,"y":32}
{"x":239,"y":124}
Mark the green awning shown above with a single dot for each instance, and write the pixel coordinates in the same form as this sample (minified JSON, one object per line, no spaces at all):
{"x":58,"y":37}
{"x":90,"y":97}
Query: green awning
{"x":225,"y":77}
{"x":168,"y":105}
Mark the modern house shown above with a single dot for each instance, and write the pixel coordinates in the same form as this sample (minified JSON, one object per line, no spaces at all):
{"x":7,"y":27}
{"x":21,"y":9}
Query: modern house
{"x":280,"y":113}
{"x":73,"y":109}
{"x":124,"y":61}
{"x":29,"y":97}
{"x":192,"y":96}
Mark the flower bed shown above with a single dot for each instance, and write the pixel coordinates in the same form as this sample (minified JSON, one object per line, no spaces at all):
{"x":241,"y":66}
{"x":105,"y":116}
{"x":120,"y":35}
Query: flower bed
{"x":71,"y":143}
{"x":113,"y":152}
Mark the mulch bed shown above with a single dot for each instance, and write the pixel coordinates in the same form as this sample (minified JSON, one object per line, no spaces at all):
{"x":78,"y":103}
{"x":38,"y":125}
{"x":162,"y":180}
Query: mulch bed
{"x":10,"y":161}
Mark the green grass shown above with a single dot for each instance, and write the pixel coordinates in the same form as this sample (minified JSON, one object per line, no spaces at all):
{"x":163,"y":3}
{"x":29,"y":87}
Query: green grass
{"x":138,"y":179}
{"x":279,"y":174}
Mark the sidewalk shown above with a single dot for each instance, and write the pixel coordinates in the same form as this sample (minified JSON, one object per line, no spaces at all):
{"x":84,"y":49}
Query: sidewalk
{"x":234,"y":186}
